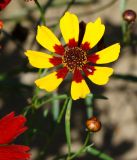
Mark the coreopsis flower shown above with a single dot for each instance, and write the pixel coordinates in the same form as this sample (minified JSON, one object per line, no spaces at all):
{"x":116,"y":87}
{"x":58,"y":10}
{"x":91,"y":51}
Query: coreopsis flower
{"x":12,"y":126}
{"x":4,"y":3}
{"x":73,"y":57}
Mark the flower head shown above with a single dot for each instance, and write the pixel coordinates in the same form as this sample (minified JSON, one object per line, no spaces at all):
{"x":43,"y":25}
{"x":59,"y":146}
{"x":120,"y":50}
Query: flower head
{"x":10,"y":127}
{"x":4,"y":3}
{"x":73,"y":57}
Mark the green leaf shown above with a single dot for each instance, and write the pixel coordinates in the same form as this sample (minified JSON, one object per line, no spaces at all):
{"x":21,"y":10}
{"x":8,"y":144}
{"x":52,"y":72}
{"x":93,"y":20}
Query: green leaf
{"x":82,"y":149}
{"x":98,"y":153}
{"x":127,"y":77}
{"x":98,"y":96}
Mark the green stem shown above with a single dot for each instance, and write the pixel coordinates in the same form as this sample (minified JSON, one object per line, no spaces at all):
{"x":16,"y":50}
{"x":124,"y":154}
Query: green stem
{"x":80,"y":151}
{"x":41,"y":11}
{"x":67,"y":126}
{"x":68,"y":6}
{"x":37,"y":106}
{"x":62,"y":111}
{"x":127,"y":33}
{"x":55,"y":106}
{"x":50,"y":100}
{"x":89,"y":104}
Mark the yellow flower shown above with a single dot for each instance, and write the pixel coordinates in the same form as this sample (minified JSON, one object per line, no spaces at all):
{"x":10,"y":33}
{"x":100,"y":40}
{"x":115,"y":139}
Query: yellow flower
{"x":73,"y":57}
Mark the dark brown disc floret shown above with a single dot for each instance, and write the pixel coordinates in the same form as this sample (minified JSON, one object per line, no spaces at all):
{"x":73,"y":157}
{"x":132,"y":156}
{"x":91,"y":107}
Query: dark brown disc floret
{"x":74,"y":58}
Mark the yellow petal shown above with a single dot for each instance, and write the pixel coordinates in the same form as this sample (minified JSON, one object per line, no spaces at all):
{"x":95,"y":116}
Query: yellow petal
{"x":47,"y":39}
{"x":52,"y":81}
{"x":108,"y":54}
{"x":69,"y":27}
{"x":79,"y":89}
{"x":101,"y":75}
{"x":49,"y":82}
{"x":39,"y":59}
{"x":93,"y":33}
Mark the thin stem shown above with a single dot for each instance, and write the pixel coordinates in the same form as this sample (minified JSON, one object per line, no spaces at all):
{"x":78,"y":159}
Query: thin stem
{"x":68,"y":6}
{"x":89,"y":103}
{"x":45,"y":7}
{"x":127,"y":33}
{"x":41,"y":11}
{"x":67,"y":126}
{"x":122,"y":9}
{"x":80,"y":151}
{"x":38,"y":105}
{"x":50,"y":100}
{"x":55,"y":106}
{"x":62,"y":111}
{"x":81,"y":14}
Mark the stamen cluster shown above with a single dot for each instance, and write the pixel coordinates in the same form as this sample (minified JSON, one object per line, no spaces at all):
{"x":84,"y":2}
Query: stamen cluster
{"x":74,"y":58}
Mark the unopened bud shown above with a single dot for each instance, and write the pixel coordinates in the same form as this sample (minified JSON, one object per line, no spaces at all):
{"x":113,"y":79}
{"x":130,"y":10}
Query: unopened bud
{"x":129,"y":16}
{"x":93,"y":124}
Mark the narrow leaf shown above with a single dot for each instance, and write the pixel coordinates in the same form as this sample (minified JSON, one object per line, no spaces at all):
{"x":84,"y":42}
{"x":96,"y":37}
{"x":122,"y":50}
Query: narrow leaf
{"x":99,"y":154}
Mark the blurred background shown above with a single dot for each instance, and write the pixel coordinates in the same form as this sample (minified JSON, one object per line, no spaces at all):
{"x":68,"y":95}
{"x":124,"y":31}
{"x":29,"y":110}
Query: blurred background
{"x":118,"y":113}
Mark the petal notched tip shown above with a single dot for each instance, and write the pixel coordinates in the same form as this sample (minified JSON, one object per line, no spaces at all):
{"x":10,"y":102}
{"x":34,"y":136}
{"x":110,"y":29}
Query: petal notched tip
{"x":49,"y":82}
{"x":79,"y":90}
{"x":69,"y":27}
{"x":46,"y":38}
{"x":98,"y":20}
{"x":108,"y":54}
{"x":101,"y":75}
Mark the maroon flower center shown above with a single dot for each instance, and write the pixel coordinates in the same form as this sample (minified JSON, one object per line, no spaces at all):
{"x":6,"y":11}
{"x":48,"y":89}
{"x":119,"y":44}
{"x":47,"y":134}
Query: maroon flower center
{"x":74,"y":58}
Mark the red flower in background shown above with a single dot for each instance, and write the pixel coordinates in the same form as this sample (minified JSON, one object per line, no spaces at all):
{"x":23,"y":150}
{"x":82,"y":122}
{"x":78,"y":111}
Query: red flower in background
{"x":1,"y":24}
{"x":12,"y":126}
{"x":4,"y":3}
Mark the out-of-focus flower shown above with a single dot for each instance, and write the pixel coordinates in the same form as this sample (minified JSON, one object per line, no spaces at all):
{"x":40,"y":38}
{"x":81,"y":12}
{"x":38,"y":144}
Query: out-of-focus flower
{"x":129,"y":15}
{"x":28,"y":0}
{"x":12,"y":126}
{"x":1,"y":24}
{"x":73,"y":57}
{"x":4,"y":3}
{"x":93,"y":124}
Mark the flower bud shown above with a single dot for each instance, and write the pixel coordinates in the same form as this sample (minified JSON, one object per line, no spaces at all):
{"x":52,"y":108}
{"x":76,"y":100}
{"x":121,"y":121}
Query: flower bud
{"x":129,"y":16}
{"x":93,"y":124}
